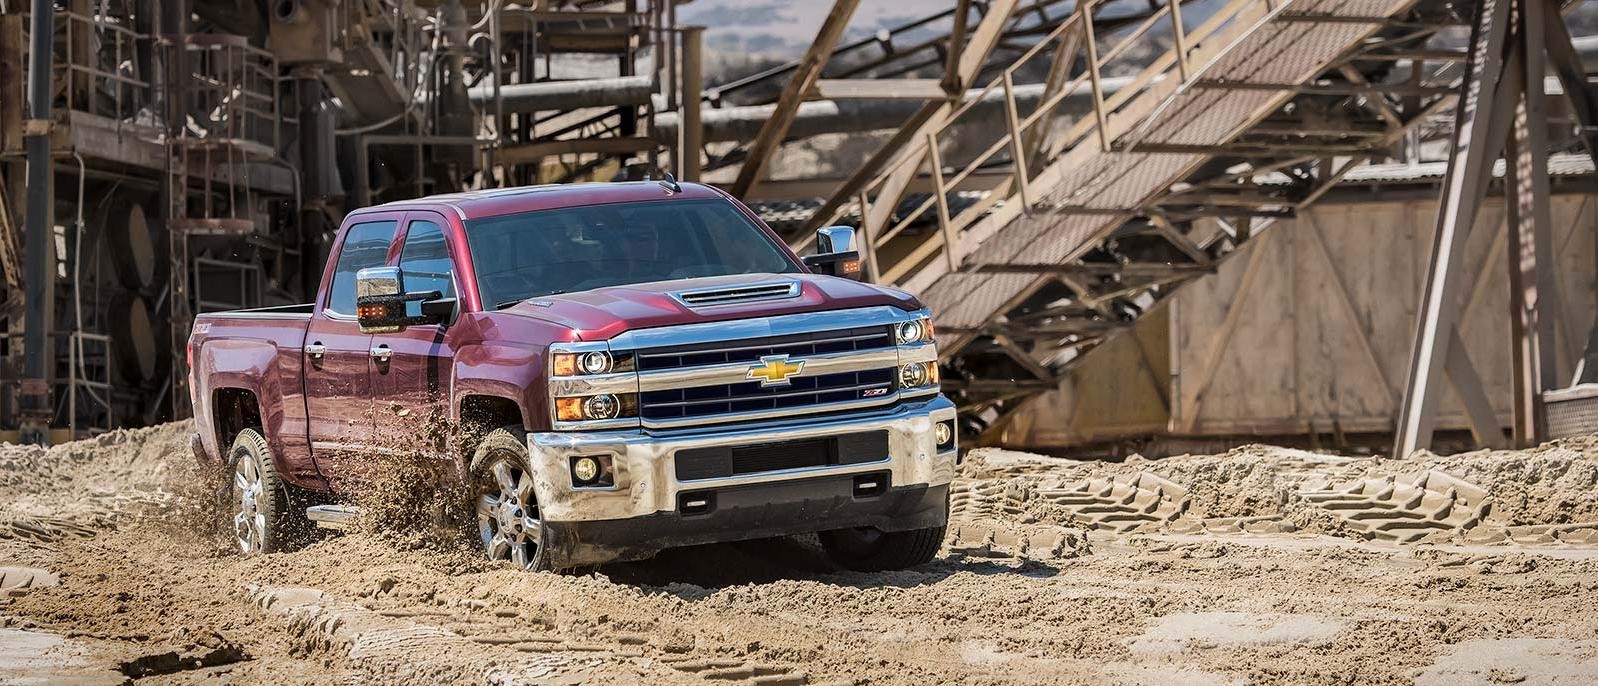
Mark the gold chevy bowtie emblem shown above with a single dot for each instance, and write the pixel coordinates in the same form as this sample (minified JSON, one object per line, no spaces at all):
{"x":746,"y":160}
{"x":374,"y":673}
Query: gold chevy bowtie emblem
{"x":774,"y":370}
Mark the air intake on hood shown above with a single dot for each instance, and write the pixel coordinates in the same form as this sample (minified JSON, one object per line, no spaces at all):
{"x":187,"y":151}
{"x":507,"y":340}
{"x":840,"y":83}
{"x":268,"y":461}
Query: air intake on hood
{"x":728,"y":295}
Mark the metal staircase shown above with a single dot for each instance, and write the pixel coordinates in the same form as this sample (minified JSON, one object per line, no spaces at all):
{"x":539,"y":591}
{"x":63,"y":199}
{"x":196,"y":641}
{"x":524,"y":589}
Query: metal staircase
{"x":230,"y":99}
{"x":1244,"y":119}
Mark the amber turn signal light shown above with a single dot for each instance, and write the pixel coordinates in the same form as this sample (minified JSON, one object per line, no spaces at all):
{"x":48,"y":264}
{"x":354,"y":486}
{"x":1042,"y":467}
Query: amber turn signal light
{"x":569,"y":409}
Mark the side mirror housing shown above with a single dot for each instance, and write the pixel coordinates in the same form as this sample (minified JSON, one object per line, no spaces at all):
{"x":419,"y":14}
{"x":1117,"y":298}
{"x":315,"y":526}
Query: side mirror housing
{"x":380,"y":299}
{"x":836,"y":254}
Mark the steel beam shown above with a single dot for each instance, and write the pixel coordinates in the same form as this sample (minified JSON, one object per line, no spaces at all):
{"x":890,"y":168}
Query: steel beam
{"x":1530,"y":158}
{"x":800,"y":84}
{"x":1469,"y":167}
{"x":1472,"y":395}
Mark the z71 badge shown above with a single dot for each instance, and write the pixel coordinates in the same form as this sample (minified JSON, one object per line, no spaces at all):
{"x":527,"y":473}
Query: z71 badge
{"x":873,"y":392}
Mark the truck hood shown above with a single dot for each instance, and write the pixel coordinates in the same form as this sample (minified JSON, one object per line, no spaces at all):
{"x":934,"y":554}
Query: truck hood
{"x":602,"y":313}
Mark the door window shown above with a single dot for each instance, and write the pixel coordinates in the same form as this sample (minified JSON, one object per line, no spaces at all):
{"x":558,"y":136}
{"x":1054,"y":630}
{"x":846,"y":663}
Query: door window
{"x":365,"y":245}
{"x":425,"y":260}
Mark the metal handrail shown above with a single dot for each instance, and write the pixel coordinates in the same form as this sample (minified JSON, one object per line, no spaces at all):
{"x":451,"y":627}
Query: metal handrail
{"x":949,"y":228}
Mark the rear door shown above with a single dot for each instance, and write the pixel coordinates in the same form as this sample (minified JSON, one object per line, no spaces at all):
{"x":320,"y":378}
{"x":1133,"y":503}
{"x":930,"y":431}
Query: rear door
{"x":411,"y":374}
{"x":338,"y":357}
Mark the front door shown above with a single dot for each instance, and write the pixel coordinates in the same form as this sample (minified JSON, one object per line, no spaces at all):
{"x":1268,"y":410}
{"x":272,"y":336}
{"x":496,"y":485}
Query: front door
{"x":412,"y":371}
{"x":338,"y":357}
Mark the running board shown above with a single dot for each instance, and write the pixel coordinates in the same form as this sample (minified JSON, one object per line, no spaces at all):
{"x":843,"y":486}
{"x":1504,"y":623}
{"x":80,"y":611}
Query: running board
{"x":337,"y":517}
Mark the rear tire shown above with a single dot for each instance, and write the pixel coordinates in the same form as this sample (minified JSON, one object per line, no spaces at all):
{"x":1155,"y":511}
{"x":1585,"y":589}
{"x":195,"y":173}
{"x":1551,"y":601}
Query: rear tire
{"x":509,"y":525}
{"x":872,"y":550}
{"x":264,"y":517}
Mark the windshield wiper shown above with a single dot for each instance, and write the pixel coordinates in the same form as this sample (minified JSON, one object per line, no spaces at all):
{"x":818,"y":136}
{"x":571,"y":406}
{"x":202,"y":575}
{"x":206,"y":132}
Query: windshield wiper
{"x":518,"y":301}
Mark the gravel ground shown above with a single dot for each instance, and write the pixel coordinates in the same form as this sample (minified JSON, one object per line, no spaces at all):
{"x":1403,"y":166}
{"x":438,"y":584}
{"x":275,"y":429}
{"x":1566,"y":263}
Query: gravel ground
{"x":1262,"y":565}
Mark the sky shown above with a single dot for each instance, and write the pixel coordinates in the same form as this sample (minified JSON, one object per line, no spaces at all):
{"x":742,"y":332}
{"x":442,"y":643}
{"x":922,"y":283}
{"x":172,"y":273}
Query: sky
{"x":784,"y":28}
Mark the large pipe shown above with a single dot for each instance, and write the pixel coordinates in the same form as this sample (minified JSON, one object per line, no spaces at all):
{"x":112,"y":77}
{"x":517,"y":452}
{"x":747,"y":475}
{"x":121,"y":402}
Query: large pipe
{"x":40,"y":244}
{"x":568,"y":95}
{"x":846,"y":116}
{"x":839,"y":116}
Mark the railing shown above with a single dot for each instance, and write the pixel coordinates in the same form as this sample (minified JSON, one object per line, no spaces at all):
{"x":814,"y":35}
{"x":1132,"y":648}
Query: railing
{"x":96,"y":390}
{"x":91,"y":42}
{"x":233,"y":89}
{"x":1031,"y":138}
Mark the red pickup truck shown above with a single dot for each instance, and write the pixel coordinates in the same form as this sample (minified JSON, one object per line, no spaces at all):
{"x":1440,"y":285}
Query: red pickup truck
{"x":662,"y":369}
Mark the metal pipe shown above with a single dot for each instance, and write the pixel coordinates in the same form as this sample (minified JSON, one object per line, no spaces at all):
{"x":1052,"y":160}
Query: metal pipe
{"x":844,"y":116}
{"x":40,"y":246}
{"x":567,"y":95}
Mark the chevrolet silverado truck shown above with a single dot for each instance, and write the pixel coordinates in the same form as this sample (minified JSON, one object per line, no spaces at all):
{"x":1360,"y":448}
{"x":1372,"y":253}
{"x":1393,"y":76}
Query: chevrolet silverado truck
{"x":657,"y":368}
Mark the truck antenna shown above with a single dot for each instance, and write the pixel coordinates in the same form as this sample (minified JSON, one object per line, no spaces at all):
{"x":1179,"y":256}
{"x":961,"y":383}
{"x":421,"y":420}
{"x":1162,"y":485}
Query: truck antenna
{"x":670,"y":183}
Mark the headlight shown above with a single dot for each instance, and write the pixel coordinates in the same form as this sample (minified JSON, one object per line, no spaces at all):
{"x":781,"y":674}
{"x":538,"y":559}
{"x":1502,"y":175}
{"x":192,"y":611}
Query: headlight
{"x":909,"y":332}
{"x":603,"y":406}
{"x":591,"y":363}
{"x":596,"y":407}
{"x":913,"y":331}
{"x":914,"y":375}
{"x":597,"y":362}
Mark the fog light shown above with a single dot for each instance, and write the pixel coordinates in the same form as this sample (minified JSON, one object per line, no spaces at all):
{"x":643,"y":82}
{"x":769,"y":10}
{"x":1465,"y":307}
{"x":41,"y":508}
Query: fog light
{"x":597,"y":362}
{"x":603,"y":406}
{"x":913,"y":375}
{"x":942,"y":432}
{"x":586,"y":469}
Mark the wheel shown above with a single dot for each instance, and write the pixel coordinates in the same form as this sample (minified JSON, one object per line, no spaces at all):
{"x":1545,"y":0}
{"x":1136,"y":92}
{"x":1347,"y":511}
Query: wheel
{"x":508,"y":522}
{"x":874,"y":550}
{"x":265,"y":520}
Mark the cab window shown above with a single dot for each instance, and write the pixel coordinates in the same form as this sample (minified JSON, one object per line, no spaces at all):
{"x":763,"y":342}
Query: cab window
{"x":365,"y":245}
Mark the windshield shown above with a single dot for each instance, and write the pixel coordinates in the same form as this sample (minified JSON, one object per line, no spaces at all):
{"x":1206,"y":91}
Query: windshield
{"x":546,"y":252}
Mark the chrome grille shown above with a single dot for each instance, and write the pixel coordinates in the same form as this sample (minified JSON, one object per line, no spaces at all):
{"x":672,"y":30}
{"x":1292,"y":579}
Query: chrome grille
{"x":752,"y":349}
{"x":801,"y":391}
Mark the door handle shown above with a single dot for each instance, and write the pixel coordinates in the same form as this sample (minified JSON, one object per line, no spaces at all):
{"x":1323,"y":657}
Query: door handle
{"x":315,"y":351}
{"x":382,"y":353}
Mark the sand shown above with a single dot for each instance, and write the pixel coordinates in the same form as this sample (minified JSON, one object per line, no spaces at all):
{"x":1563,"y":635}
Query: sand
{"x":1262,"y":565}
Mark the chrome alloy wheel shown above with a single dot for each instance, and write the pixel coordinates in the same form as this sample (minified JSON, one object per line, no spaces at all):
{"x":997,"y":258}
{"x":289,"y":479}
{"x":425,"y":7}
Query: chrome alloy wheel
{"x":507,"y":515}
{"x":249,"y":522}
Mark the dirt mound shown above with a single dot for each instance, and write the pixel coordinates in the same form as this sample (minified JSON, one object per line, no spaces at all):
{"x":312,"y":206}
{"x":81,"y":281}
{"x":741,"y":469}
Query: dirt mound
{"x":1055,"y":572}
{"x":1556,"y":483}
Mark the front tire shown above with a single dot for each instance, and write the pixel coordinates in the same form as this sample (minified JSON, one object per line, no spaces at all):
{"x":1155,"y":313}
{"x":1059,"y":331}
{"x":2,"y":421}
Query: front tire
{"x":264,"y":519}
{"x":872,"y":550}
{"x":509,"y":523}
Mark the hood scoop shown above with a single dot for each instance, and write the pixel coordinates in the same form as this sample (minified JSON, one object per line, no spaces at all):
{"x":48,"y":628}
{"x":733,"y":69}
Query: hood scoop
{"x":736,"y":295}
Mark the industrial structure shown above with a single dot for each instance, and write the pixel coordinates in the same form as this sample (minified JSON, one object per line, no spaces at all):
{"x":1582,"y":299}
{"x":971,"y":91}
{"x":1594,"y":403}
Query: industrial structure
{"x":1055,"y":173}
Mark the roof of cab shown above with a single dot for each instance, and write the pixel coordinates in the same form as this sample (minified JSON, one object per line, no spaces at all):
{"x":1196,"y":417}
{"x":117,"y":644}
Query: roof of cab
{"x":498,"y":201}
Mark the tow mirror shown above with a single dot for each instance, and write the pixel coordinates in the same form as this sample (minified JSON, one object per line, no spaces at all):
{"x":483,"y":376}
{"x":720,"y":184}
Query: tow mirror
{"x":380,"y":299}
{"x":836,"y":254}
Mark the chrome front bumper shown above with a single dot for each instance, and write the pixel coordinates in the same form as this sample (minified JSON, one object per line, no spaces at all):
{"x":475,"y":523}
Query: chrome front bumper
{"x":645,"y":466}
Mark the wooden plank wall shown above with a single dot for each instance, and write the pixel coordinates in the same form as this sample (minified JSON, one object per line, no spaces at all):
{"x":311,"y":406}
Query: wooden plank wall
{"x":1322,"y":336}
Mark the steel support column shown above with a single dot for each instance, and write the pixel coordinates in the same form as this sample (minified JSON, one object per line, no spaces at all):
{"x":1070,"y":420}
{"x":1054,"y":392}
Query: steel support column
{"x":39,"y":251}
{"x":692,"y":138}
{"x":1503,"y":109}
